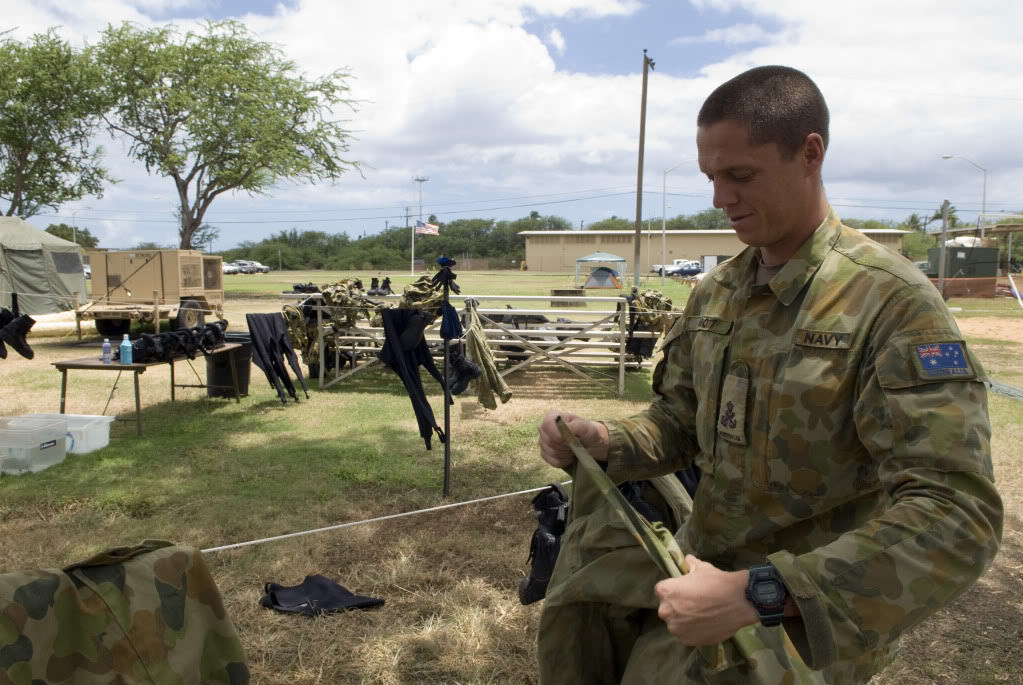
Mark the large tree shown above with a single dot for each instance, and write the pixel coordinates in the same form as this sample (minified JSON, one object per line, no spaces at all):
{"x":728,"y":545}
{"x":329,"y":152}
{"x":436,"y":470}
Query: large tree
{"x":81,"y":236}
{"x":50,"y":107}
{"x":219,"y":111}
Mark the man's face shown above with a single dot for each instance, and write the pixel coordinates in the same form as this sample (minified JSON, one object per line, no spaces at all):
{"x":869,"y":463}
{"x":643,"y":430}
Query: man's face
{"x":764,"y":195}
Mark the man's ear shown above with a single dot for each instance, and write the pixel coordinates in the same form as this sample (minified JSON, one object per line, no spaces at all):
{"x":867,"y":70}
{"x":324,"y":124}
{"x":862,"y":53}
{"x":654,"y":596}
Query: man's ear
{"x":813,"y":152}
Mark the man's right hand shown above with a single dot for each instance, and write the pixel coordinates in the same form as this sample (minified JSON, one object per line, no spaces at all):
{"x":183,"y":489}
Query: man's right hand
{"x":592,"y":434}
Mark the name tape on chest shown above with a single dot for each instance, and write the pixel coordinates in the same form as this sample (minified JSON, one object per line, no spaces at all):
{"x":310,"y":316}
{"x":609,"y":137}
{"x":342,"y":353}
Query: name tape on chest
{"x":832,"y":340}
{"x":942,"y":360}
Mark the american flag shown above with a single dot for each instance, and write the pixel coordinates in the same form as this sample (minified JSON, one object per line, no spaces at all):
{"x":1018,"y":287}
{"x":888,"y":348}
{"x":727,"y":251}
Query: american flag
{"x":427,"y":229}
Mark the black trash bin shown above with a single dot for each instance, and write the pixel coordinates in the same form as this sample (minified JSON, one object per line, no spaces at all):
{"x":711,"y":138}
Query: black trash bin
{"x":218,"y":367}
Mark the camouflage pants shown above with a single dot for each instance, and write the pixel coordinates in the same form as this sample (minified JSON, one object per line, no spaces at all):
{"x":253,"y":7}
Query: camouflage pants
{"x":599,"y":624}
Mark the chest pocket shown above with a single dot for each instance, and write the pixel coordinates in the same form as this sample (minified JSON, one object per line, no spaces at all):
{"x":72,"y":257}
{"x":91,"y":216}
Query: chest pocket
{"x":710,"y":339}
{"x":811,"y":420}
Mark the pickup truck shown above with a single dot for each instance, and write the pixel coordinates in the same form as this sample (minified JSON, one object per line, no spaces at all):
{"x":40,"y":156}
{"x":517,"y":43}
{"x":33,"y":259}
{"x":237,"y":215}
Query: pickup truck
{"x":683,"y":267}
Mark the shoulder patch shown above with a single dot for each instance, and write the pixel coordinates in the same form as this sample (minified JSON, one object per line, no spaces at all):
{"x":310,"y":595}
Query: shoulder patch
{"x":942,"y":360}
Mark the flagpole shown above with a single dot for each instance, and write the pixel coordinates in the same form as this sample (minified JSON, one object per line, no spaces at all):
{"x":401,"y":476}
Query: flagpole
{"x":420,"y":180}
{"x":412,"y":265}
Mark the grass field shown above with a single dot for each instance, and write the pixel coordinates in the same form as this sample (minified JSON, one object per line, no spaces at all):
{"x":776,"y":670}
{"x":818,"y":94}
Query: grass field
{"x":208,"y":472}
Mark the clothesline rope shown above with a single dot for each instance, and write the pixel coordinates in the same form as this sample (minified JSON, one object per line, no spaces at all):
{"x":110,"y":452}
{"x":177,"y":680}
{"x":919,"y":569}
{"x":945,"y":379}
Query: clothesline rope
{"x":338,"y":526}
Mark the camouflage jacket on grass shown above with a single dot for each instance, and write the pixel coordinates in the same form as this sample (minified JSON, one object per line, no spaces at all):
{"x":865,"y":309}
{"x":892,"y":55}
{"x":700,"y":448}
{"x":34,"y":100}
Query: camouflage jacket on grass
{"x":145,"y":614}
{"x":842,"y":428}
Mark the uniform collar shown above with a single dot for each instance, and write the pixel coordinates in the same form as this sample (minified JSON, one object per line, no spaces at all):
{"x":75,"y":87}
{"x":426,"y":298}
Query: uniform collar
{"x":797,"y":272}
{"x":740,"y":271}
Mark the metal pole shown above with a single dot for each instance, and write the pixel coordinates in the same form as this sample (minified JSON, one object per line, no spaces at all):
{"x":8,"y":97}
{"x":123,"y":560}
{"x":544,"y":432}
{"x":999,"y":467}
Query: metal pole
{"x":649,"y":255}
{"x":420,"y":180}
{"x":944,"y":236}
{"x":664,"y":221}
{"x":647,"y":65}
{"x":447,"y":403}
{"x":983,"y":205}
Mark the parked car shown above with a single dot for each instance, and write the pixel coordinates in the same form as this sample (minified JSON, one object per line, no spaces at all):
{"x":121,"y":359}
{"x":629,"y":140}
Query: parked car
{"x":230,"y":268}
{"x":247,"y":266}
{"x":689,"y":268}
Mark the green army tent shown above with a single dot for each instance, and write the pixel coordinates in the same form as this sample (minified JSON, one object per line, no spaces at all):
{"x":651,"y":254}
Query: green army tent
{"x":41,"y":268}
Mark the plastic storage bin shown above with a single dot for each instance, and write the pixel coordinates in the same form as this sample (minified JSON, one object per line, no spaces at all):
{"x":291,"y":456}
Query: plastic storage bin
{"x":85,"y":432}
{"x":31,"y":444}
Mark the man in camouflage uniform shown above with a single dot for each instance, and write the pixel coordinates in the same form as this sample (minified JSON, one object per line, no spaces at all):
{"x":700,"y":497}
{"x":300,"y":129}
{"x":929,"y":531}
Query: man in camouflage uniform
{"x":822,"y":386}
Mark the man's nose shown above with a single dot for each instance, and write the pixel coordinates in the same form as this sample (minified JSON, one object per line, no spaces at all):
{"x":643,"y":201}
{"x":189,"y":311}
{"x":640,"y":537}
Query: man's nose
{"x":724,"y":195}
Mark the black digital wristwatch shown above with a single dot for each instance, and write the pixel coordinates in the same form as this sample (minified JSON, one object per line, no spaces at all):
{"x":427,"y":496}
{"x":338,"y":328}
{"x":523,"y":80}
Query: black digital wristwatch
{"x":767,"y":593}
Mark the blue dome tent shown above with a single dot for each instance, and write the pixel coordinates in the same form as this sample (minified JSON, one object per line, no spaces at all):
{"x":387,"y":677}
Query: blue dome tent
{"x":608,"y":277}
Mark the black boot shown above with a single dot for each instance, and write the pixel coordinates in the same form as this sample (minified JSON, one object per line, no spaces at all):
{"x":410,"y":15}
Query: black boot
{"x":14,"y":335}
{"x":464,"y":370}
{"x":551,"y":507}
{"x":6,"y":316}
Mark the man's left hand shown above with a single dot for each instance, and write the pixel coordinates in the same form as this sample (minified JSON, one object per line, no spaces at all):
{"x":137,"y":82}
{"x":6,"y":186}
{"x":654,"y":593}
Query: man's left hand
{"x":705,"y":606}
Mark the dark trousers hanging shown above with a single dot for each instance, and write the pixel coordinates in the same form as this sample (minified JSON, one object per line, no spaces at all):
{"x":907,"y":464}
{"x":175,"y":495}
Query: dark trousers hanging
{"x":404,"y":351}
{"x":270,"y":345}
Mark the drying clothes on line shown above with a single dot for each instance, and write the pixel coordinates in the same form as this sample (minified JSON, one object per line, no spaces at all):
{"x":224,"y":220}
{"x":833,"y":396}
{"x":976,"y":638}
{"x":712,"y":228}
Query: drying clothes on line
{"x":490,"y":380}
{"x":404,"y":351}
{"x":314,"y":596}
{"x":270,"y":345}
{"x":13,"y":331}
{"x":461,"y":370}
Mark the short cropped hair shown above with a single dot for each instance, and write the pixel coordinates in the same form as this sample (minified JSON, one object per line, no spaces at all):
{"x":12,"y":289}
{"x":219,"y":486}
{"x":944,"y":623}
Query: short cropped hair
{"x":778,"y":104}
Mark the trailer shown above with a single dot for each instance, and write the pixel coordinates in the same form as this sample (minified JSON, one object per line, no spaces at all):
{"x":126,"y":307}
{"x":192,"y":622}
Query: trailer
{"x":180,"y":286}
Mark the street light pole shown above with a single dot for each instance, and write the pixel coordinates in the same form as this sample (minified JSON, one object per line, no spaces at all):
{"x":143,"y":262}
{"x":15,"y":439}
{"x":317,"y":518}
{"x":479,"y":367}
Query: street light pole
{"x":983,"y":201}
{"x":74,"y":223}
{"x":664,"y":211}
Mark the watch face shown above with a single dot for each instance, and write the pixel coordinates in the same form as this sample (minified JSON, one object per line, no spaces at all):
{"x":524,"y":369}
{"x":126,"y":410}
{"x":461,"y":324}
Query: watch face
{"x":768,"y":591}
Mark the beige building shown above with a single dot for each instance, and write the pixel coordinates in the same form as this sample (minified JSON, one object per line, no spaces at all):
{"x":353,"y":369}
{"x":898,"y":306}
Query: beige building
{"x":557,"y":250}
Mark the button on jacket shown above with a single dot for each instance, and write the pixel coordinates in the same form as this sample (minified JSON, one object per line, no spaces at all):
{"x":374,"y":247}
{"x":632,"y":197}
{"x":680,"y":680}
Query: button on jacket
{"x":841,"y":424}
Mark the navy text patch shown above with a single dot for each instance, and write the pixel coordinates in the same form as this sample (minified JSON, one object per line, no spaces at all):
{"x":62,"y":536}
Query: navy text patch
{"x":828,"y":339}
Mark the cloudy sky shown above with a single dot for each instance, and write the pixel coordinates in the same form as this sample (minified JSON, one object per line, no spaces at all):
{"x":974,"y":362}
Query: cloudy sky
{"x":509,"y":106}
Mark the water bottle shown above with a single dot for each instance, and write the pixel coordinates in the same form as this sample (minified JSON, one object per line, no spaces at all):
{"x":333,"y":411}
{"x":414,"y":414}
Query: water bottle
{"x":106,"y":350}
{"x":126,"y":350}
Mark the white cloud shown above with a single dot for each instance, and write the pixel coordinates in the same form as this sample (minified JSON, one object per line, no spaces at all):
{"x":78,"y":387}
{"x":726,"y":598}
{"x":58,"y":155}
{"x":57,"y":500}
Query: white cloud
{"x":557,"y":40}
{"x":730,"y":35}
{"x":461,"y":91}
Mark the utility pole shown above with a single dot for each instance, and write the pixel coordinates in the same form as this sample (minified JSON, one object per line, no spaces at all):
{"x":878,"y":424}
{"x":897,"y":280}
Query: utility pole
{"x":647,"y":65}
{"x":941,"y":253}
{"x":420,"y":180}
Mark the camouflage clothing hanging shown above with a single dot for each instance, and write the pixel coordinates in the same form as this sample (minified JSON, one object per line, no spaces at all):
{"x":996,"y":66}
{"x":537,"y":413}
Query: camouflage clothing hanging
{"x":424,"y":295}
{"x":346,"y":301}
{"x":652,"y":309}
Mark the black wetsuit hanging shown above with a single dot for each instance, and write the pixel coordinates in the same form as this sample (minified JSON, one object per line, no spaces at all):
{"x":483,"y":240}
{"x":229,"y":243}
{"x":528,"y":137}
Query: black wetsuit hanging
{"x":404,"y":351}
{"x":270,"y":345}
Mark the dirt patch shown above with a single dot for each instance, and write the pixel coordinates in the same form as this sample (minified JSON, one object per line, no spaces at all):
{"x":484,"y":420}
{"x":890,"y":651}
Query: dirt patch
{"x":994,"y":327}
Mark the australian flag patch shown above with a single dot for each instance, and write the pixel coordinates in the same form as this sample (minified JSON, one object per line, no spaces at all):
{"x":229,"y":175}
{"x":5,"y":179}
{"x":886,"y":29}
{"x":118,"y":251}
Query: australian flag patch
{"x":943,"y":360}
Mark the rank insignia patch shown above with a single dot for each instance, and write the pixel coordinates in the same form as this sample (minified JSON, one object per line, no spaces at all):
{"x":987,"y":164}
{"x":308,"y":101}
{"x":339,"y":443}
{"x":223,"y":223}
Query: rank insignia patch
{"x":943,"y":360}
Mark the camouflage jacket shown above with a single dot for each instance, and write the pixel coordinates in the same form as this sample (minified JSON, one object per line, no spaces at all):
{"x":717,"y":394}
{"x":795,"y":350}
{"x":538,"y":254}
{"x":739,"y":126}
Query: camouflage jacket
{"x":145,"y":614}
{"x":842,"y":428}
